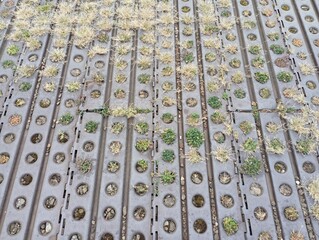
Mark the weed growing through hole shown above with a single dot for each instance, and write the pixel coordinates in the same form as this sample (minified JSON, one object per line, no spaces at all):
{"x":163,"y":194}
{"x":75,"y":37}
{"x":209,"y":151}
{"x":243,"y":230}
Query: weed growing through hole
{"x":275,"y":146}
{"x":91,"y":126}
{"x":84,"y":165}
{"x":13,"y":49}
{"x":66,"y":118}
{"x":230,"y":225}
{"x":251,"y":166}
{"x":222,"y":153}
{"x":168,"y":177}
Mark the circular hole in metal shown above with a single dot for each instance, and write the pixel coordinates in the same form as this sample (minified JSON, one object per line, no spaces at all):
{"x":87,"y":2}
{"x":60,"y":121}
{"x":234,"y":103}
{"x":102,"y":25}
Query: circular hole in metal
{"x":311,"y":85}
{"x":33,"y":57}
{"x":79,"y":213}
{"x":107,"y":236}
{"x":190,"y":87}
{"x":309,"y":18}
{"x":14,"y":228}
{"x":219,"y":137}
{"x":313,"y":30}
{"x":59,"y":157}
{"x":31,"y":158}
{"x":169,"y":200}
{"x":115,"y":147}
{"x":69,"y":103}
{"x":200,"y":226}
{"x":113,"y":166}
{"x":293,"y":30}
{"x":63,"y":137}
{"x":36,"y":138}
{"x":264,"y":93}
{"x":141,"y":165}
{"x":143,"y":94}
{"x":308,"y":167}
{"x":15,"y":119}
{"x":138,"y":236}
{"x":50,"y":202}
{"x":95,"y":94}
{"x":20,"y":203}
{"x":246,"y":13}
{"x":75,"y":72}
{"x":99,"y":64}
{"x":139,"y":213}
{"x":315,"y":100}
{"x":88,"y":146}
{"x":191,"y":102}
{"x":109,"y":213}
{"x":289,"y":18}
{"x":285,"y":7}
{"x":75,"y":236}
{"x":280,"y":167}
{"x":41,"y":120}
{"x":9,"y":138}
{"x":252,"y":37}
{"x":4,"y":157}
{"x":198,"y":200}
{"x":227,"y":201}
{"x":9,"y":3}
{"x":256,"y":189}
{"x":285,"y":189}
{"x":260,"y":213}
{"x":231,"y":37}
{"x":140,"y":189}
{"x":78,"y":58}
{"x":119,"y":94}
{"x":291,"y":213}
{"x":55,"y":179}
{"x":44,"y":103}
{"x":3,"y":78}
{"x":169,"y":225}
{"x":197,"y":177}
{"x":111,"y":189}
{"x":305,"y":7}
{"x":82,"y":189}
{"x":26,"y":179}
{"x":224,"y":178}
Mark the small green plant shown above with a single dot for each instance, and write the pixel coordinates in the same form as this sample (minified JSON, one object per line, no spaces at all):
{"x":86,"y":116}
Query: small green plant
{"x":193,"y":119}
{"x":73,"y":86}
{"x":168,"y":177}
{"x":273,"y":36}
{"x":246,"y":127}
{"x":142,"y":165}
{"x":144,"y":78}
{"x":194,"y":137}
{"x":255,"y":49}
{"x":230,"y":225}
{"x":168,"y":136}
{"x":275,"y":146}
{"x":218,"y":118}
{"x":50,"y":71}
{"x":240,"y":93}
{"x":284,"y":76}
{"x":291,"y":213}
{"x":142,"y":128}
{"x":250,"y":145}
{"x":84,"y":165}
{"x":9,"y":64}
{"x":214,"y":102}
{"x":277,"y":49}
{"x":91,"y":126}
{"x":167,"y":118}
{"x":117,"y":127}
{"x":188,"y":57}
{"x":49,"y":86}
{"x":222,"y":154}
{"x":237,"y":78}
{"x":258,"y":62}
{"x":306,"y":146}
{"x":143,"y":144}
{"x":251,"y":166}
{"x":235,"y":63}
{"x":66,"y":119}
{"x":25,"y":86}
{"x":313,"y":189}
{"x":210,"y":57}
{"x":225,"y":96}
{"x":261,"y":77}
{"x":168,"y":155}
{"x":13,"y":49}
